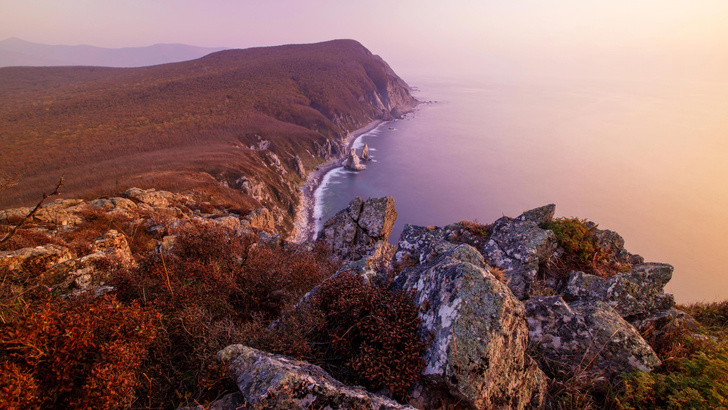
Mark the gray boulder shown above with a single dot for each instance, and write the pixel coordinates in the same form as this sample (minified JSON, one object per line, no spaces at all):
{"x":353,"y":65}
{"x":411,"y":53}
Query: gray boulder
{"x":269,"y":381}
{"x":362,"y":229}
{"x":632,"y":294}
{"x":422,"y":244}
{"x":518,"y":246}
{"x":352,"y":161}
{"x":478,"y":352}
{"x":587,"y":337}
{"x":540,"y":216}
{"x":613,"y":243}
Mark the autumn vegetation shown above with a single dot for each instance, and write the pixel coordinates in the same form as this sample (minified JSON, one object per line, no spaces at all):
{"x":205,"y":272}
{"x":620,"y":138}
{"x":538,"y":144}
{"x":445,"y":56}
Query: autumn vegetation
{"x":182,"y":126}
{"x":152,"y":341}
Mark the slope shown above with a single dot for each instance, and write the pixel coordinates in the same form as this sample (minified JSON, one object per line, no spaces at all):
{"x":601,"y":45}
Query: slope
{"x":229,"y":125}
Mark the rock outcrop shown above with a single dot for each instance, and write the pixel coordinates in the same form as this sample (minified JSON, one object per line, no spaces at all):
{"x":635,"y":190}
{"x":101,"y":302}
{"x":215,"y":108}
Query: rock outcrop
{"x":298,"y":167}
{"x":474,"y":320}
{"x":362,"y":229}
{"x":365,"y":153}
{"x":519,"y":246}
{"x":352,"y":161}
{"x":588,"y":337}
{"x":487,"y":331}
{"x":633,"y":294}
{"x":269,"y":381}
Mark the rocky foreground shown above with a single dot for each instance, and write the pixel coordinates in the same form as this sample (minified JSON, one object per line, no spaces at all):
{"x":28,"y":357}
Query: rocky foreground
{"x":496,"y":317}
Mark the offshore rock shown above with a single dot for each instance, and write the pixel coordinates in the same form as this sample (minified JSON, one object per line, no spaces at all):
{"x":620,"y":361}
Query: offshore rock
{"x":587,"y":336}
{"x":519,"y":246}
{"x":356,"y":231}
{"x":478,"y":352}
{"x":365,"y":153}
{"x":269,"y":381}
{"x":352,"y":161}
{"x":632,"y":294}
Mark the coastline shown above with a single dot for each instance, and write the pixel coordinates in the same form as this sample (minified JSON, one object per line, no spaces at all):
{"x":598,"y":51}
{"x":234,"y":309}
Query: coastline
{"x":304,"y":223}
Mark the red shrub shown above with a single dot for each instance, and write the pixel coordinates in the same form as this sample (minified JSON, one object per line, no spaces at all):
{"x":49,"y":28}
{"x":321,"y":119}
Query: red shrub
{"x":372,"y":331}
{"x":75,"y":353}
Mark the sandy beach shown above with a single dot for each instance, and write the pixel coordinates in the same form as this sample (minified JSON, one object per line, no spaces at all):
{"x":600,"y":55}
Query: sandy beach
{"x":304,"y":224}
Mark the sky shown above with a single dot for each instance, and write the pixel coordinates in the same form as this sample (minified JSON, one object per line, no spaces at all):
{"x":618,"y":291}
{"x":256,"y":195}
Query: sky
{"x":682,"y":39}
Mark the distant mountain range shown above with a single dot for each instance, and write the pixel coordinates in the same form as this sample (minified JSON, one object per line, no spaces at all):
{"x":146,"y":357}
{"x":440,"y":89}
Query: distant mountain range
{"x":17,"y":52}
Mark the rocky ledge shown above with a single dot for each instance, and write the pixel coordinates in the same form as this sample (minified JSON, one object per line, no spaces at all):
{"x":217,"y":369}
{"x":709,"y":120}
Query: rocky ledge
{"x":493,"y":309}
{"x":489,"y":309}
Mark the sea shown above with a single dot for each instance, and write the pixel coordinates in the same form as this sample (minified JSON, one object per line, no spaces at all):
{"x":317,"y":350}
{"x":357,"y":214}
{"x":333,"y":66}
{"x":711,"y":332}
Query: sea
{"x":647,"y":159}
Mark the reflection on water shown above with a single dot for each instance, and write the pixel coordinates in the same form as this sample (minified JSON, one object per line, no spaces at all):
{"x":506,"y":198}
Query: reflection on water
{"x":647,"y":160}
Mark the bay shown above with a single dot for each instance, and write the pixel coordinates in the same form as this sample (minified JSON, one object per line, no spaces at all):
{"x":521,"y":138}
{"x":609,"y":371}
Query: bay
{"x":648,"y":159}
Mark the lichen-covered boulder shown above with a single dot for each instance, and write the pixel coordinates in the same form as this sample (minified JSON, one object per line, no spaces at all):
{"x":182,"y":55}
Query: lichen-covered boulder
{"x":422,"y":244}
{"x":657,"y":325}
{"x":613,"y":243}
{"x":354,"y":232}
{"x":269,"y":381}
{"x":631,"y":294}
{"x":587,"y":336}
{"x":540,"y":216}
{"x":478,"y":350}
{"x":518,"y":246}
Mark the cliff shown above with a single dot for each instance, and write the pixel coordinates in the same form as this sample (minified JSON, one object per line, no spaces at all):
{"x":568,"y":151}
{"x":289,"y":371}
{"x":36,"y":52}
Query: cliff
{"x":238,"y":125}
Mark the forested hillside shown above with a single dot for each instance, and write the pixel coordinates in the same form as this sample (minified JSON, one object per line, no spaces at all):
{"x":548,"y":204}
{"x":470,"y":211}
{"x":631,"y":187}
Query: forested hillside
{"x":228,"y":126}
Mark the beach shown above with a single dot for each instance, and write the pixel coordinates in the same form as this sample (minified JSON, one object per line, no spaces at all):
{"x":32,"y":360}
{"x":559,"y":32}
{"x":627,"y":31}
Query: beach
{"x":305,"y":222}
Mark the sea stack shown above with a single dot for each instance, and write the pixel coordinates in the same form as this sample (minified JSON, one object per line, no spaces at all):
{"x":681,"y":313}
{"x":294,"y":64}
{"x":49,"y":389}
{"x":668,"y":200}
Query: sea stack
{"x":365,"y":153}
{"x":352,"y":161}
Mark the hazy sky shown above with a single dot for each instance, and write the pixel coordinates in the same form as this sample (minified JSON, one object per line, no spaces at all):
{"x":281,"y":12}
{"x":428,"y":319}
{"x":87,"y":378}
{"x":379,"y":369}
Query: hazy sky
{"x":644,"y":38}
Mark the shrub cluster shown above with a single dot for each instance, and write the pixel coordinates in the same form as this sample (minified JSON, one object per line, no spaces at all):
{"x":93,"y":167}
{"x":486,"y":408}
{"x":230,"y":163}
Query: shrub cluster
{"x":361,"y":333}
{"x":582,"y":251}
{"x":214,"y":282}
{"x":74,"y":353}
{"x":694,"y":370}
{"x":152,"y":343}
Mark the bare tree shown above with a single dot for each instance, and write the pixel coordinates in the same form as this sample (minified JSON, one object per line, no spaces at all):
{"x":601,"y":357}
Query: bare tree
{"x":36,"y":209}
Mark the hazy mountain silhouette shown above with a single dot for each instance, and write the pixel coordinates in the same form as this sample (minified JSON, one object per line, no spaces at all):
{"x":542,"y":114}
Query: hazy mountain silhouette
{"x":17,"y":52}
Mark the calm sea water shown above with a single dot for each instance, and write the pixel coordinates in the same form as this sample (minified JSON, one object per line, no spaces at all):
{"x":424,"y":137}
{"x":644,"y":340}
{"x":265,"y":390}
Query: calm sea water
{"x":646,"y":159}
